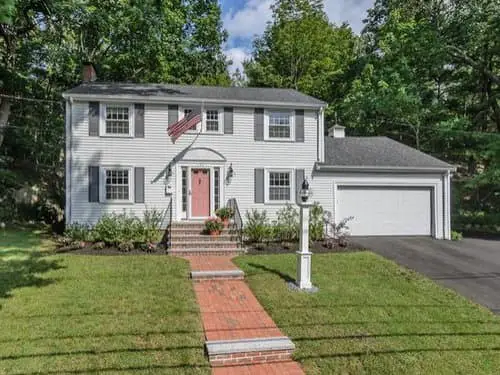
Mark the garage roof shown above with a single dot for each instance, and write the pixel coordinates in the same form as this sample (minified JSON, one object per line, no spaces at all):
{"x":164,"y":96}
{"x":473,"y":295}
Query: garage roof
{"x":377,"y":153}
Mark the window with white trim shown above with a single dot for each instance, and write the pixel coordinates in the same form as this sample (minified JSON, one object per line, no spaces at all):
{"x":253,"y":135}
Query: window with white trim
{"x":117,"y":184}
{"x":279,"y":125}
{"x":187,"y":112}
{"x":279,"y":186}
{"x":117,"y":120}
{"x":212,"y":120}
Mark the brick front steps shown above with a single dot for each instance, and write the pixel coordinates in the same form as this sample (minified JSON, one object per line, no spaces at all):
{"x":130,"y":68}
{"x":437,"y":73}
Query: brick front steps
{"x":187,"y":238}
{"x":249,"y":351}
{"x":217,"y":275}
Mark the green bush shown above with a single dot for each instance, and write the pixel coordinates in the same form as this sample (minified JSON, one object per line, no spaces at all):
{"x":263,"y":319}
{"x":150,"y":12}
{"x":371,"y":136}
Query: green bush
{"x":456,"y":236}
{"x":286,"y":227}
{"x":316,"y":223}
{"x":257,"y":228}
{"x":116,"y":229}
{"x":79,"y":232}
{"x":152,"y":223}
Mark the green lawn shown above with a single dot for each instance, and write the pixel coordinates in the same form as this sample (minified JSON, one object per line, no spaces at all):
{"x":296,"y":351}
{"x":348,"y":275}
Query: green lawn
{"x":75,"y":314}
{"x":373,"y":317}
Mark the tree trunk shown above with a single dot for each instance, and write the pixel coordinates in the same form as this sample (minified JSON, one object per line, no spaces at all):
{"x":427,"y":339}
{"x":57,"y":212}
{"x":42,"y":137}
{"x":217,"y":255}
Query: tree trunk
{"x":4,"y":117}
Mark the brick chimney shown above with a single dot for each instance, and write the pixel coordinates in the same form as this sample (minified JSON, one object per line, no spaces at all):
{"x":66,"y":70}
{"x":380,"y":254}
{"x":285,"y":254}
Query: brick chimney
{"x":88,"y":72}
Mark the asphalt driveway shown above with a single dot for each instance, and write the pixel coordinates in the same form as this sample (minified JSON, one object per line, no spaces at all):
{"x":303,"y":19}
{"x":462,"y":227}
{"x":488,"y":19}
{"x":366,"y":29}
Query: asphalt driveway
{"x":471,"y":266}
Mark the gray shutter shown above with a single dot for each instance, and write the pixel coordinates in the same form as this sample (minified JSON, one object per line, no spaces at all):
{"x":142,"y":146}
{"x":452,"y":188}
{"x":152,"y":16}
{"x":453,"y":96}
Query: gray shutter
{"x":173,"y":114}
{"x":94,"y":184}
{"x":139,"y":184}
{"x":228,"y":120}
{"x":258,"y":123}
{"x":299,"y":178}
{"x":299,"y":125}
{"x":94,"y":119}
{"x":259,"y":185}
{"x":139,"y":120}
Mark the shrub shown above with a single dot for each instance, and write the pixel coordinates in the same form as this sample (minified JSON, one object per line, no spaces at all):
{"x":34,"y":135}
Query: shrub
{"x":286,"y":227}
{"x":316,"y":223}
{"x":118,"y":228}
{"x":224,"y":213}
{"x":151,"y":225}
{"x":337,"y":235}
{"x":257,"y":228}
{"x":456,"y":236}
{"x":78,"y":232}
{"x":213,"y":225}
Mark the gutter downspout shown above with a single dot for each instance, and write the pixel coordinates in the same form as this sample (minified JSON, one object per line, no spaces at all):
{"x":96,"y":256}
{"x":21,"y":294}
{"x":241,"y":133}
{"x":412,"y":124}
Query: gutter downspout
{"x":69,"y":158}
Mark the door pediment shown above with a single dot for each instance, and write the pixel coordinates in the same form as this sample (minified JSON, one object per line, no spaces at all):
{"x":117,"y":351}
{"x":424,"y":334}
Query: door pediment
{"x":203,"y":154}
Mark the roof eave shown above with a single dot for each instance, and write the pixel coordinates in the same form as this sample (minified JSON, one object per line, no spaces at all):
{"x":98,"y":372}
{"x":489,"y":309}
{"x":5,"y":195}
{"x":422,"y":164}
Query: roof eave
{"x":164,"y":99}
{"x":322,"y":167}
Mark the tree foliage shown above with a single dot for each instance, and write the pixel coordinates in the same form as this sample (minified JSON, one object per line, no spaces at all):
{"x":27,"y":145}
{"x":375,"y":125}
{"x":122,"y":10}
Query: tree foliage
{"x":424,"y":72}
{"x":43,"y":45}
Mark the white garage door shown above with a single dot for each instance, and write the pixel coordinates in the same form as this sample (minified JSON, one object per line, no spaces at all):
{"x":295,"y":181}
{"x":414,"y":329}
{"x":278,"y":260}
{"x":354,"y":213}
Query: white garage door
{"x":386,"y":211}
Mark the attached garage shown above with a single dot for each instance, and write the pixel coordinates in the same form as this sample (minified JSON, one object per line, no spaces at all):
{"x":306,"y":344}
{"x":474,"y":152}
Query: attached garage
{"x":386,"y":210}
{"x":388,"y":188}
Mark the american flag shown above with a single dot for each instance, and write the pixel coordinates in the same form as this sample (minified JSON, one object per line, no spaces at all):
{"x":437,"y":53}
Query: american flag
{"x":178,"y":128}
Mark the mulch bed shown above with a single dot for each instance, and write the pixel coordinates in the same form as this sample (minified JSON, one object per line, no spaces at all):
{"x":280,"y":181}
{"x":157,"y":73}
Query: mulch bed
{"x":317,"y":247}
{"x":90,"y":250}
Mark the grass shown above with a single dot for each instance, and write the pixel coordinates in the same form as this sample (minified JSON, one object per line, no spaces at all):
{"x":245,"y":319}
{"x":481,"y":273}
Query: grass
{"x":69,"y":314}
{"x":373,"y":317}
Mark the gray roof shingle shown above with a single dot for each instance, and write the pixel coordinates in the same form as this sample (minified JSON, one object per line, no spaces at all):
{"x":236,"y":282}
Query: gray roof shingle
{"x":252,"y":94}
{"x":377,"y":152}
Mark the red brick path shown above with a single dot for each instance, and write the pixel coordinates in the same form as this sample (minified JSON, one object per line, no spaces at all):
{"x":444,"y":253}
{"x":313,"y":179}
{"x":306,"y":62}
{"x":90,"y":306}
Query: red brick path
{"x":230,"y":311}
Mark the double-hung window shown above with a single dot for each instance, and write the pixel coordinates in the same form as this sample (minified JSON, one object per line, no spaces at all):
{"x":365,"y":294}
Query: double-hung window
{"x":117,"y":120}
{"x":279,"y":125}
{"x":213,"y":121}
{"x":117,"y":184}
{"x":279,"y":186}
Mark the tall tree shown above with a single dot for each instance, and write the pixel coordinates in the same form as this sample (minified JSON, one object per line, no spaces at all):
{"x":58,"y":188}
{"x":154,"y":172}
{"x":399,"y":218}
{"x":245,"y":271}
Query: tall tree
{"x":301,"y":49}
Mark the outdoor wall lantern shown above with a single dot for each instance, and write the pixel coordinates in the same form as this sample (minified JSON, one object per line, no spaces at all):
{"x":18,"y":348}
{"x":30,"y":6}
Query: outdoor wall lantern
{"x":305,"y":192}
{"x":169,"y":172}
{"x":230,"y":173}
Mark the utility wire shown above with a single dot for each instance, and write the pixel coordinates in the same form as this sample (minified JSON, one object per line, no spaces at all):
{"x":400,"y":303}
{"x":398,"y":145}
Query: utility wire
{"x":16,"y":97}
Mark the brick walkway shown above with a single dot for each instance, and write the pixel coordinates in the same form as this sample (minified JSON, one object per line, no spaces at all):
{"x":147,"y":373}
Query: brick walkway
{"x":230,"y":311}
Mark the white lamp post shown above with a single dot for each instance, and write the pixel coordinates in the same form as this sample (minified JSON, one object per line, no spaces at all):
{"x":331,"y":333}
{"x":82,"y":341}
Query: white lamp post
{"x":303,"y":255}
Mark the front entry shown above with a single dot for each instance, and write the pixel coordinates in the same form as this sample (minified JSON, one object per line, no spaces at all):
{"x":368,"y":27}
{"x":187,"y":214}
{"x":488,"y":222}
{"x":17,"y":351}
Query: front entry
{"x":200,"y":192}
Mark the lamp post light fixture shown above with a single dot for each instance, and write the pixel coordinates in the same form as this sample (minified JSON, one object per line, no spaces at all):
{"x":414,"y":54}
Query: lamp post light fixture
{"x":304,"y":256}
{"x":230,"y":173}
{"x":305,"y":192}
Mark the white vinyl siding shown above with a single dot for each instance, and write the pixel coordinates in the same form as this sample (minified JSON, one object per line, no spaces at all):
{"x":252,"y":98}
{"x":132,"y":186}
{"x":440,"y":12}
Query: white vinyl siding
{"x":116,"y":184}
{"x":279,"y":125}
{"x":157,"y":150}
{"x":116,"y":120}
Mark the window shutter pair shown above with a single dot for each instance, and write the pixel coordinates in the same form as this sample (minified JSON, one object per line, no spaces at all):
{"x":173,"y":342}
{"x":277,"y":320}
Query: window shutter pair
{"x":94,"y":117}
{"x":259,"y":184}
{"x":94,"y":177}
{"x":258,"y":119}
{"x":173,"y":117}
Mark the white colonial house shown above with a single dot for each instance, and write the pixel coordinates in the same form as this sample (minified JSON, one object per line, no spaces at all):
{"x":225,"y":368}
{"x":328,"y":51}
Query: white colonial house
{"x":253,"y":147}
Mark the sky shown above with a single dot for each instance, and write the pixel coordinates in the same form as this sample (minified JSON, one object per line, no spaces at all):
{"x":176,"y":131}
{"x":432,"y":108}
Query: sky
{"x":244,"y":19}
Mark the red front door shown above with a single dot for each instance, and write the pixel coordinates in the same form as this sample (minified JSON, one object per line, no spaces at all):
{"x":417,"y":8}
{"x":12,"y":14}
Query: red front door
{"x":200,"y":192}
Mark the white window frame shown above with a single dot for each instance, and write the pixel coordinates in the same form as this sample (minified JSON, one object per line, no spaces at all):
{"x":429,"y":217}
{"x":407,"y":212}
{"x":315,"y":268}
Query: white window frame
{"x":267,"y":114}
{"x":131,"y":183}
{"x":131,"y":120}
{"x":267,"y":172}
{"x":180,"y":116}
{"x":220,"y":115}
{"x":203,"y":123}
